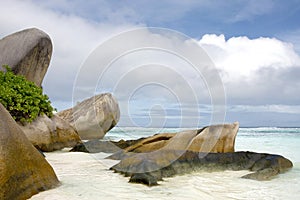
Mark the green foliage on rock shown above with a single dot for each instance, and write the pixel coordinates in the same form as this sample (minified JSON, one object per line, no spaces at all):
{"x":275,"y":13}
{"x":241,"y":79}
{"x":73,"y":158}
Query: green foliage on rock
{"x":23,"y":99}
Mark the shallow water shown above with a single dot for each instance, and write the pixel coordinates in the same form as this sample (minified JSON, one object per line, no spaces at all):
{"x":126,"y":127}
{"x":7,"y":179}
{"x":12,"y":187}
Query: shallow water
{"x":86,"y":176}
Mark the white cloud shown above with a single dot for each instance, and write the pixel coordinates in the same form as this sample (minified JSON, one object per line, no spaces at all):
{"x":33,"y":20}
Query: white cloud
{"x":241,"y":57}
{"x":257,"y":72}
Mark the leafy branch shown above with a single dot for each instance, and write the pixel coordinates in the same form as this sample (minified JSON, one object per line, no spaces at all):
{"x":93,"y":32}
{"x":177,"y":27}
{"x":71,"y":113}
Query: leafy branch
{"x":23,"y":99}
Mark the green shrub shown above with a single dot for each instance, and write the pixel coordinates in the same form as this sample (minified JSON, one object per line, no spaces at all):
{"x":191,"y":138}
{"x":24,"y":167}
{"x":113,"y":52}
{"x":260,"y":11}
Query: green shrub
{"x":23,"y":99}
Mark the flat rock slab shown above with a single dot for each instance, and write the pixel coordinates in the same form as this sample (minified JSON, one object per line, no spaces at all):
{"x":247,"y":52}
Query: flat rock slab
{"x":152,"y":167}
{"x":97,"y":146}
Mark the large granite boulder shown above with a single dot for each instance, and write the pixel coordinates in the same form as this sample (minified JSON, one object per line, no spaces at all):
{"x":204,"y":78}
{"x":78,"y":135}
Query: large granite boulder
{"x":210,"y":148}
{"x":148,"y":168}
{"x":93,"y":117}
{"x":51,"y":134}
{"x":23,"y":169}
{"x":28,"y":52}
{"x":214,"y":139}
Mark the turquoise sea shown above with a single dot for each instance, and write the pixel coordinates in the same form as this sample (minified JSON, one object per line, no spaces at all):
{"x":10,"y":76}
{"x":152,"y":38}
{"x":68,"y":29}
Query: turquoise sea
{"x":86,"y":176}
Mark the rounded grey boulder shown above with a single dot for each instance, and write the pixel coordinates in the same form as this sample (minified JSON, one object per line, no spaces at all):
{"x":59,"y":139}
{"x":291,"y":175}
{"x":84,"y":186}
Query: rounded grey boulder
{"x":93,"y":117}
{"x":28,"y":53}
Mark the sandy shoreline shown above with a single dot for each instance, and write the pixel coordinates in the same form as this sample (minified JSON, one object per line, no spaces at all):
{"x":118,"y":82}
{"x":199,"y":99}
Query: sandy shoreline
{"x":86,"y":176}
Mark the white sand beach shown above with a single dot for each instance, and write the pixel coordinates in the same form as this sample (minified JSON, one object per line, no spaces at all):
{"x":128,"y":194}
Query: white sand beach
{"x":86,"y":176}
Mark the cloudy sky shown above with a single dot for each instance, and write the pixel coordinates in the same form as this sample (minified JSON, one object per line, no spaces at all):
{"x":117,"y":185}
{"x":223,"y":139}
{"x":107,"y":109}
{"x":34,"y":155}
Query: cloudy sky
{"x":254,"y":46}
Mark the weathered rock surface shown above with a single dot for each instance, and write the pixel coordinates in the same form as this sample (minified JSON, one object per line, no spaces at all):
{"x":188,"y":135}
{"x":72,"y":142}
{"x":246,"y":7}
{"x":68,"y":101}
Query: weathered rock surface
{"x":152,"y":167}
{"x":23,"y":170}
{"x":93,"y":117}
{"x":214,"y":139}
{"x":210,"y":148}
{"x":51,"y":134}
{"x":28,"y":52}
